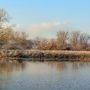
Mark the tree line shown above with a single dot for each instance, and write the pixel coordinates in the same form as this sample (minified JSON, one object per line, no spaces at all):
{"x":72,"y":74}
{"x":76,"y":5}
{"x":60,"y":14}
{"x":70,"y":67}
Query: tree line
{"x":11,"y":39}
{"x":65,"y":41}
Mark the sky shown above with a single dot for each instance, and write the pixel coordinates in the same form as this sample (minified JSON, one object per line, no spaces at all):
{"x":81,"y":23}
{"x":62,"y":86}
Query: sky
{"x":44,"y":18}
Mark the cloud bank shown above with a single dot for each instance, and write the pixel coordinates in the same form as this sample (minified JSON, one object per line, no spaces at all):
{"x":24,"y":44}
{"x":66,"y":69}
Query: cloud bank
{"x":45,"y":29}
{"x":43,"y":26}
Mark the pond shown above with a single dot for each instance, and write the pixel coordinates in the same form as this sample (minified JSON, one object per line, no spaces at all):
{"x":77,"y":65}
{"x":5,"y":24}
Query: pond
{"x":29,"y":75}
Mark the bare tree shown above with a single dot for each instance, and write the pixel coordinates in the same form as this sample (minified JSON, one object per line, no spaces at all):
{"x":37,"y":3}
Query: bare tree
{"x":4,"y":35}
{"x":42,"y":44}
{"x":62,"y":37}
{"x":74,"y":39}
{"x":84,"y":40}
{"x":52,"y":44}
{"x":7,"y":32}
{"x":79,"y":41}
{"x":4,"y":17}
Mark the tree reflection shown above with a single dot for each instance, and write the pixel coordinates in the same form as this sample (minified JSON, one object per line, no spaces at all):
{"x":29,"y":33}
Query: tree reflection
{"x":64,"y":66}
{"x":58,"y":65}
{"x":79,"y":65}
{"x":7,"y":69}
{"x":9,"y":66}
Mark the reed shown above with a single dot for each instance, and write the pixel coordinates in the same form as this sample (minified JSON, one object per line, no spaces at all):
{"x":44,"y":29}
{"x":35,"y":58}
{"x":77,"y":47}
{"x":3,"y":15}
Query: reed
{"x":47,"y":54}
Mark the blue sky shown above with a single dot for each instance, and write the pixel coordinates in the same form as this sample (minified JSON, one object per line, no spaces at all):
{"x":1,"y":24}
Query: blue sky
{"x":40,"y":17}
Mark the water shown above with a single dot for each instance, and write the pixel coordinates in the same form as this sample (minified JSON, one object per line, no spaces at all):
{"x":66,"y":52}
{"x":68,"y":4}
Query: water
{"x":27,"y":75}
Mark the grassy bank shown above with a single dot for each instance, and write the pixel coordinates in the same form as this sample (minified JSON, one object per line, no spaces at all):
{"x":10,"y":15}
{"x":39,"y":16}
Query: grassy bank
{"x":47,"y":55}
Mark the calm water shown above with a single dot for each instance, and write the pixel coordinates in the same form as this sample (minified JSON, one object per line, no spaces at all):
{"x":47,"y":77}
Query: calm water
{"x":44,"y":75}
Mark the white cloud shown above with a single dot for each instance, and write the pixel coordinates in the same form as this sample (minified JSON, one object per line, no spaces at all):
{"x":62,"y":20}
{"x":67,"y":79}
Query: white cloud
{"x":43,"y":26}
{"x":45,"y":29}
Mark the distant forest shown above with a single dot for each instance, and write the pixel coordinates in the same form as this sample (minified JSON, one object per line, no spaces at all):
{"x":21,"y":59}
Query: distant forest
{"x":11,"y":39}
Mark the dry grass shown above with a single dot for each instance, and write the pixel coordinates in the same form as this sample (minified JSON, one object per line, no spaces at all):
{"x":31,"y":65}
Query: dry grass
{"x":48,"y":54}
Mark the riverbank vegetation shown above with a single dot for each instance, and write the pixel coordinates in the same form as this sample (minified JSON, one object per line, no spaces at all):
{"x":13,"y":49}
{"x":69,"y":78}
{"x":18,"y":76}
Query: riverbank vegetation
{"x":11,"y":39}
{"x":45,"y":55}
{"x":65,"y":40}
{"x":65,"y":46}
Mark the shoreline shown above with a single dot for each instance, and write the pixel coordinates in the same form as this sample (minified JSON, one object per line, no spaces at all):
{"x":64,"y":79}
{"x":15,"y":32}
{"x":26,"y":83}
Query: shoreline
{"x":46,"y":55}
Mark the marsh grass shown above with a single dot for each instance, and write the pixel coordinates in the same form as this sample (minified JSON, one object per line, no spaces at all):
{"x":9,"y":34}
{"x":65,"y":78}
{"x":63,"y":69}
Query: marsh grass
{"x":47,"y":55}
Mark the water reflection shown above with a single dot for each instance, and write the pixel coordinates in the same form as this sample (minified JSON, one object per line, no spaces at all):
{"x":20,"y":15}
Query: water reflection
{"x":61,"y":66}
{"x":43,"y":75}
{"x":8,"y":66}
{"x":58,"y":65}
